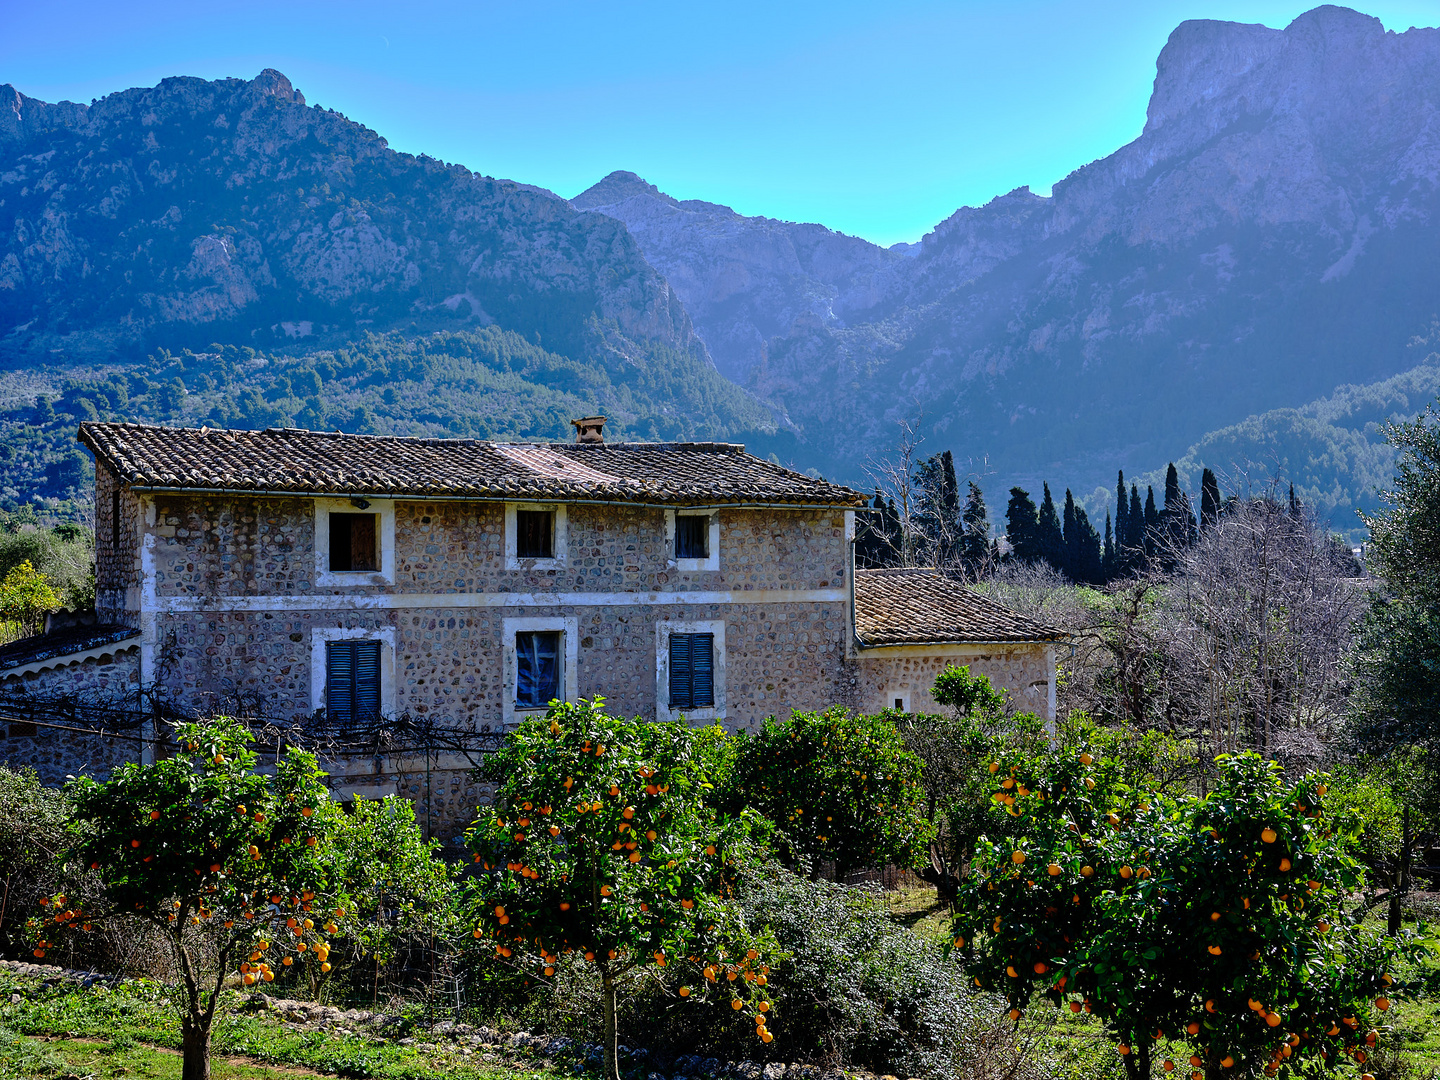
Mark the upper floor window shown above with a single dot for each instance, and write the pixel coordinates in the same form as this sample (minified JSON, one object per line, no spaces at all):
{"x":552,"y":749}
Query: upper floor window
{"x":693,"y":539}
{"x":352,"y":681}
{"x":535,"y":534}
{"x":353,"y":541}
{"x":692,"y":535}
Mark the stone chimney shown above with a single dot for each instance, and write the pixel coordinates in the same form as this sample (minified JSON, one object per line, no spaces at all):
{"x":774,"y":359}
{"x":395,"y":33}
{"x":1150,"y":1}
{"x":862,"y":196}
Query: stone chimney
{"x":589,"y":429}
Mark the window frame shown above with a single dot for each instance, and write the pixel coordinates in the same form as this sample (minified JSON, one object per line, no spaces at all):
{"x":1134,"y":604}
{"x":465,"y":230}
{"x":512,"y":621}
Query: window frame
{"x":384,"y":540}
{"x":663,"y":629}
{"x":513,"y":561}
{"x":321,"y":636}
{"x":330,"y":648}
{"x":569,"y":628}
{"x":712,"y":544}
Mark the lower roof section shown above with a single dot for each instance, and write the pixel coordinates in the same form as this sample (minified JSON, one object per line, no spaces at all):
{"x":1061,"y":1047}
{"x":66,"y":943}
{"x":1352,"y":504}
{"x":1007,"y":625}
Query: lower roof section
{"x":920,"y":606}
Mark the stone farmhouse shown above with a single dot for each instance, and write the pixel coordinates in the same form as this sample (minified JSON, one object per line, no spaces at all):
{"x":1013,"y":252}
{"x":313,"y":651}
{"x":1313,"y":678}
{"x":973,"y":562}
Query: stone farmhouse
{"x":352,"y":579}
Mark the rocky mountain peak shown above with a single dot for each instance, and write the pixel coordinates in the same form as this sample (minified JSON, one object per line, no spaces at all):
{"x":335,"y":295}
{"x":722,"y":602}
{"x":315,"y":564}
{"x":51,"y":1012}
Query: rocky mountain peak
{"x":616,"y":188}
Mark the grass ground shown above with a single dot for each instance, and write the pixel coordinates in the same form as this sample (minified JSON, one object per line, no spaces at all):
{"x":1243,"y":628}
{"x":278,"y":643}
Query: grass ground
{"x":131,"y":1031}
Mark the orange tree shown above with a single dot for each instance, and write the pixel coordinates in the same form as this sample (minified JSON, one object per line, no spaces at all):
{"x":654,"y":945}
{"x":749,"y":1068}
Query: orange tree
{"x":597,"y":843}
{"x":227,"y":862}
{"x":1215,"y":923}
{"x":838,"y":787}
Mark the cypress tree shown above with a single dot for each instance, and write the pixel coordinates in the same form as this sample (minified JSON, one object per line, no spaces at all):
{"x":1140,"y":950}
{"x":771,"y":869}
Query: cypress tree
{"x":1087,"y":555}
{"x":1107,"y":557}
{"x":1050,"y":536}
{"x":1022,"y":525}
{"x":1294,"y":503}
{"x":1209,"y":500}
{"x":1179,"y":521}
{"x":1070,"y":556}
{"x":1122,"y":513}
{"x":975,"y":545}
{"x":1135,"y":527}
{"x":1152,"y":521}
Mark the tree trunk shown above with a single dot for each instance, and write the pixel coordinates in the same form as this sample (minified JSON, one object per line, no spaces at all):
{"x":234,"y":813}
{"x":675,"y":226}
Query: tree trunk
{"x":195,"y":1041}
{"x":612,"y":1058}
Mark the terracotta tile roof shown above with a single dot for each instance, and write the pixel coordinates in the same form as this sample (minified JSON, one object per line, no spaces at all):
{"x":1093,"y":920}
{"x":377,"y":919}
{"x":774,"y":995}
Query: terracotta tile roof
{"x":324,"y":463}
{"x":925,"y":607}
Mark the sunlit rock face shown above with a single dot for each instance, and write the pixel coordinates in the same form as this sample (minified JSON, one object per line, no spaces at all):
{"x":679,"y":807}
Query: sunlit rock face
{"x":196,"y":211}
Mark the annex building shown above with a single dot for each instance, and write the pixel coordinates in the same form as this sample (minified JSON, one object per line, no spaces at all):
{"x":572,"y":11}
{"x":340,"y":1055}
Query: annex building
{"x":342,"y":582}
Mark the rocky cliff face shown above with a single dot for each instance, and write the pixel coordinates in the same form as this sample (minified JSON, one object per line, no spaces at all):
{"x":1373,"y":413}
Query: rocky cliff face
{"x":199,"y":211}
{"x":746,"y":280}
{"x":1271,"y":234}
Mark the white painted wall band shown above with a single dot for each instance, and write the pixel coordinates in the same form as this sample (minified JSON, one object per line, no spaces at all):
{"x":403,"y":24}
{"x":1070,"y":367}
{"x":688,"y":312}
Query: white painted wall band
{"x":151,"y":603}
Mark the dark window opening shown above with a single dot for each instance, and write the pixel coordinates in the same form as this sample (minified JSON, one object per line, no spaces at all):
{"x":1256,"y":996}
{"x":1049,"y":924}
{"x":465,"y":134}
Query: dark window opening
{"x":535,"y":534}
{"x":352,"y":681}
{"x":115,"y":519}
{"x":692,"y":671}
{"x":352,"y":541}
{"x":900,"y":703}
{"x":692,"y":536}
{"x":539,"y":669}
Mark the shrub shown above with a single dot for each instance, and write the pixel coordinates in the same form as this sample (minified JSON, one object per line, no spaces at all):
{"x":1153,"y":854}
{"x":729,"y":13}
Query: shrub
{"x":839,"y":788}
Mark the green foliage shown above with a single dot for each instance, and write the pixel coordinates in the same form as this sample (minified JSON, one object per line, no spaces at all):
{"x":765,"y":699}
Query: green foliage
{"x":1217,"y":921}
{"x":838,"y":787}
{"x":598,"y":844}
{"x":483,"y":382}
{"x":26,"y":598}
{"x":65,"y":555}
{"x":1399,"y":648}
{"x":397,"y":886}
{"x":32,"y":835}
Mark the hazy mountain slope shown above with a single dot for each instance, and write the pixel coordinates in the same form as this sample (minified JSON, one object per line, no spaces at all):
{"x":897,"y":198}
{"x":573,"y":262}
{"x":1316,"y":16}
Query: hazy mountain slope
{"x":1271,"y":234}
{"x":229,"y":212}
{"x":1333,"y":450}
{"x":748,"y":280}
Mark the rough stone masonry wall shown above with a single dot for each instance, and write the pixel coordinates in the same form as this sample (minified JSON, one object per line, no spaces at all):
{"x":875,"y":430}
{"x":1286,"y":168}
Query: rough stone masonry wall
{"x":1022,"y":671}
{"x":117,"y":561}
{"x":52,"y":751}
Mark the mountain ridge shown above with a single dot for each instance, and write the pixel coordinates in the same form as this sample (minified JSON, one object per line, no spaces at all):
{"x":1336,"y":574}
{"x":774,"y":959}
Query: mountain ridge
{"x":1265,"y":240}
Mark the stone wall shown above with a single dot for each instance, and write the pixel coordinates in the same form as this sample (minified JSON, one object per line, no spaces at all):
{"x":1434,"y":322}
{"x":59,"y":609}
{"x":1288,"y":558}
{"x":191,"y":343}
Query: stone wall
{"x":117,"y":560}
{"x":266,"y":547}
{"x":1023,"y":671}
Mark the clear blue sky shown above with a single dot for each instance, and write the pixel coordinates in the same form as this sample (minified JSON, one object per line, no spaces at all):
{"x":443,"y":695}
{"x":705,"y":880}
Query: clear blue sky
{"x":876,"y":118}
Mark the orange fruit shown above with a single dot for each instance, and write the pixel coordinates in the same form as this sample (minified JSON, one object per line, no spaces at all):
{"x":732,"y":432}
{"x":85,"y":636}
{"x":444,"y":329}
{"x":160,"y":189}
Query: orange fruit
{"x":1268,"y":835}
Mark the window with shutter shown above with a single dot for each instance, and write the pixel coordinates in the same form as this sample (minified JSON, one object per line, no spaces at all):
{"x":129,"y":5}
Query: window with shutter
{"x":352,"y":682}
{"x":539,"y":669}
{"x":692,"y":671}
{"x":352,"y":542}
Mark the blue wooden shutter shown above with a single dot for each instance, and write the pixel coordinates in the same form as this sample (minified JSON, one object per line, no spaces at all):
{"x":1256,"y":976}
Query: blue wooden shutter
{"x":367,"y":680}
{"x":692,"y":671}
{"x":339,"y":682}
{"x":702,"y":667}
{"x":681,"y":683}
